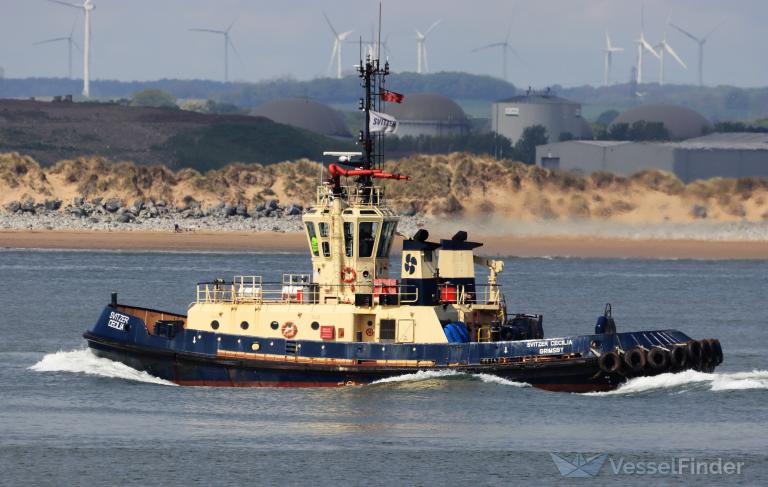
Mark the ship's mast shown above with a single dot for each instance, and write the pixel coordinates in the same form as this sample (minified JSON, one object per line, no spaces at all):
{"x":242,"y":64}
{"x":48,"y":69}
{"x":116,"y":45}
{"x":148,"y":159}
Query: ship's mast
{"x":373,"y":76}
{"x":369,"y":166}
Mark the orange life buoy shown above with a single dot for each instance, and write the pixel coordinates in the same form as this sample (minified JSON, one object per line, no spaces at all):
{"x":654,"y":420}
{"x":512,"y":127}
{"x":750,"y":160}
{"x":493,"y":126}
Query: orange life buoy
{"x":348,"y":275}
{"x":289,"y":329}
{"x":369,"y":332}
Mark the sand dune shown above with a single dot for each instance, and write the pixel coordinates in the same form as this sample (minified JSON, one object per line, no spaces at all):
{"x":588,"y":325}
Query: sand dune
{"x":457,"y":186}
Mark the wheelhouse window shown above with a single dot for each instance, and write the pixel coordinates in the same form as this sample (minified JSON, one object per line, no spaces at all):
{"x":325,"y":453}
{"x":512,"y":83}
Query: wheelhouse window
{"x":366,"y":238}
{"x":312,"y":238}
{"x":385,"y":242}
{"x":323,"y":228}
{"x":349,"y":239}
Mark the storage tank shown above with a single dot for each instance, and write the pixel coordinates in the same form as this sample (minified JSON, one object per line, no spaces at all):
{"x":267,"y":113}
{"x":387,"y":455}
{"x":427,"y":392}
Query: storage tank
{"x":305,"y":114}
{"x":559,"y":116}
{"x":429,"y":114}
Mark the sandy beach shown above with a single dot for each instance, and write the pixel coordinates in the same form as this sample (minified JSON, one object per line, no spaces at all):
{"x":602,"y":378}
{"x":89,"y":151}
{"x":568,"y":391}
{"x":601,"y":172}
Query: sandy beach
{"x":523,"y":246}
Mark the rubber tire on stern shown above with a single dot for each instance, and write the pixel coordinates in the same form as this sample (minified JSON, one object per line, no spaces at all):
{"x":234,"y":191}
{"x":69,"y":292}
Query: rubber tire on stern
{"x":610,"y":363}
{"x":635,"y":360}
{"x":658,"y":359}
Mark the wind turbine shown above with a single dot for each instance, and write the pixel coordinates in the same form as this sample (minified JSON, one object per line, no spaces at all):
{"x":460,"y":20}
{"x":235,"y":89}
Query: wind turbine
{"x":227,"y":44}
{"x":505,"y":47}
{"x":609,"y":50}
{"x":421,"y":48}
{"x":371,"y":45}
{"x":700,"y":42}
{"x":663,"y":47}
{"x":70,"y":43}
{"x":88,"y":7}
{"x":643,"y":45}
{"x":338,"y":40}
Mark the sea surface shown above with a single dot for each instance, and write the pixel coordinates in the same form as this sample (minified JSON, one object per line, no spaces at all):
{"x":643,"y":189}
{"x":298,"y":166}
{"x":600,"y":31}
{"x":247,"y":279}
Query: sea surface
{"x":69,"y":418}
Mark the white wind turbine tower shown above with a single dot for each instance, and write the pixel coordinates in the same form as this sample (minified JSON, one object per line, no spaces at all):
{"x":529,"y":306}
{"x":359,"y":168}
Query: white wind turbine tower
{"x":505,"y":48}
{"x":87,"y":7}
{"x":371,"y":45}
{"x":227,"y":44}
{"x":421,"y":48}
{"x":338,"y":40}
{"x":70,"y":43}
{"x":609,"y":50}
{"x":663,"y":47}
{"x":700,"y":42}
{"x":643,"y":45}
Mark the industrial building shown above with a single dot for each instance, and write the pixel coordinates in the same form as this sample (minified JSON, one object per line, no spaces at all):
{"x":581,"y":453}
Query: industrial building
{"x":728,"y":155}
{"x":561,"y":117}
{"x":429,"y":114}
{"x":305,"y":114}
{"x":681,"y":122}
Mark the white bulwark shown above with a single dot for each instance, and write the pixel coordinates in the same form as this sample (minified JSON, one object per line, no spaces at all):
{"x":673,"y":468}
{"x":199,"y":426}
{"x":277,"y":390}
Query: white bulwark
{"x":728,"y":155}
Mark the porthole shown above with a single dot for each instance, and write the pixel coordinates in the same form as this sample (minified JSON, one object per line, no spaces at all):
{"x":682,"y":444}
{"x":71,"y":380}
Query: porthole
{"x":315,"y":325}
{"x":275,"y":325}
{"x":370,"y":323}
{"x":255,"y":346}
{"x":244,"y":325}
{"x":215,"y":325}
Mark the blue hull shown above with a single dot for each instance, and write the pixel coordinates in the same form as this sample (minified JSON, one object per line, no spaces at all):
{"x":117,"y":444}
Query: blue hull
{"x":214,"y":359}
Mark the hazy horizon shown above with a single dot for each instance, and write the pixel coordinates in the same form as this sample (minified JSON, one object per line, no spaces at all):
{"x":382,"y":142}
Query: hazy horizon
{"x":560,"y":42}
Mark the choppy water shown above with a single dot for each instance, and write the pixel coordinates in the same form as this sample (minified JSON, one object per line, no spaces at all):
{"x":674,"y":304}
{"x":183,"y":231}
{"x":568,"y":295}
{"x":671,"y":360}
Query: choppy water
{"x":70,"y":418}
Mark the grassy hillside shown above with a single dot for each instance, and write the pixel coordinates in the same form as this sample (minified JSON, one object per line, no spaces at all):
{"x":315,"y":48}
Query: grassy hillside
{"x":715,"y":102}
{"x":51,"y":132}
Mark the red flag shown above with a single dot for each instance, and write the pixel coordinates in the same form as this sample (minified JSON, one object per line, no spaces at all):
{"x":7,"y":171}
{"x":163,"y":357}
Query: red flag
{"x":387,"y":95}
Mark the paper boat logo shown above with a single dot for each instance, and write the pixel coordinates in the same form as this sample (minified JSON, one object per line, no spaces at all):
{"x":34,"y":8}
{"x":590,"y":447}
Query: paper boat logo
{"x":580,"y":467}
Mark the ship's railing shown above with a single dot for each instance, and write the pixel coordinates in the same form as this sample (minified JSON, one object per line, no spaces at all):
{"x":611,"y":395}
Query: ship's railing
{"x":298,"y":288}
{"x":370,"y":196}
{"x":483,"y":294}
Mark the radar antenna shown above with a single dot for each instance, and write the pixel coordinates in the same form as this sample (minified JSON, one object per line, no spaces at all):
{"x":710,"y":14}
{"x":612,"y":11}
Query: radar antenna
{"x":369,"y":166}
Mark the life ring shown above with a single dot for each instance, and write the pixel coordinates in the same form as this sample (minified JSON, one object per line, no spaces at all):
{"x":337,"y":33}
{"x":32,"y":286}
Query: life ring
{"x":348,"y":275}
{"x":289,"y":329}
{"x":369,"y":332}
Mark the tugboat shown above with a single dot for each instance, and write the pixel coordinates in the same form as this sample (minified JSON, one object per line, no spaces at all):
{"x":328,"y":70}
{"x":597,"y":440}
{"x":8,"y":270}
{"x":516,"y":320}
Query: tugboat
{"x":348,"y":322}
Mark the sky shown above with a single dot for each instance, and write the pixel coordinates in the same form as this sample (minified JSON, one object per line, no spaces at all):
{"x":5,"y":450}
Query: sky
{"x":558,"y":41}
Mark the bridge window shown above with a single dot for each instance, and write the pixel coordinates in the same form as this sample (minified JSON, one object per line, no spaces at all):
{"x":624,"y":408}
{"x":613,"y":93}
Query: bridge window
{"x":385,"y":242}
{"x":323,"y":228}
{"x":349,"y":239}
{"x":366,"y":238}
{"x":312,"y":238}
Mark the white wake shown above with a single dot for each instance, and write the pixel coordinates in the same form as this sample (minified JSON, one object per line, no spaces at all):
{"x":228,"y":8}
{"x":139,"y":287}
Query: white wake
{"x":693,"y":380}
{"x":423,"y":375}
{"x":85,"y":362}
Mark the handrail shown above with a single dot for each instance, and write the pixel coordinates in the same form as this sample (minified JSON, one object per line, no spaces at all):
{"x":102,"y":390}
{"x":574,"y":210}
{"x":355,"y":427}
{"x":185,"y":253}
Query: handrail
{"x":293,"y":289}
{"x":374,"y":197}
